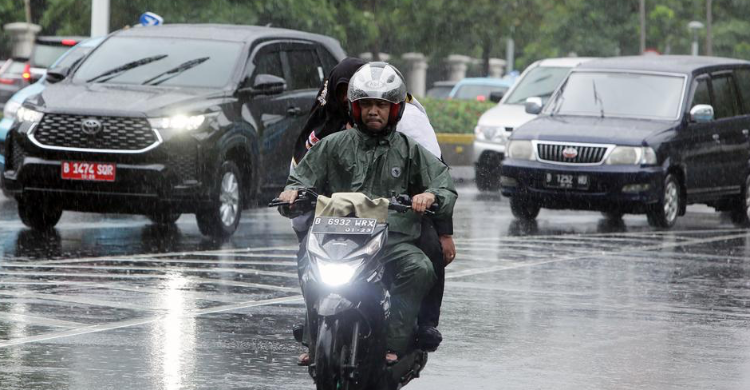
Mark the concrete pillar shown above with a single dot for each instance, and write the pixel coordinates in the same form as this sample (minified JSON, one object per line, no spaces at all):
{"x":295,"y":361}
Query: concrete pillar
{"x":415,"y":73}
{"x":457,"y":65}
{"x":99,"y":18}
{"x":22,"y":38}
{"x":496,"y":67}
{"x":368,"y":56}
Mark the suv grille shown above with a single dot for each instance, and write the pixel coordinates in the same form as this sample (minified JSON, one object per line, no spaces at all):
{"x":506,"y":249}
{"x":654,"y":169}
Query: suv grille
{"x":15,"y":155}
{"x":561,"y":153}
{"x":117,"y":133}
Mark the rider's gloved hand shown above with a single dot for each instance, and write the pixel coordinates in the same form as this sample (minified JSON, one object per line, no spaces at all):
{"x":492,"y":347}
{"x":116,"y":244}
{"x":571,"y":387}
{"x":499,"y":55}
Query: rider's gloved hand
{"x":420,"y":203}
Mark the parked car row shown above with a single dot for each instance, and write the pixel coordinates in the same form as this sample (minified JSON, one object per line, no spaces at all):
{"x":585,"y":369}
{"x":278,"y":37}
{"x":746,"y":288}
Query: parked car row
{"x":166,"y":120}
{"x":635,"y":135}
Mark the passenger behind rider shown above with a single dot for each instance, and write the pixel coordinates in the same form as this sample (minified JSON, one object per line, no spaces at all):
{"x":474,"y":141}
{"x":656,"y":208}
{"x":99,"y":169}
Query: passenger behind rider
{"x":375,"y":160}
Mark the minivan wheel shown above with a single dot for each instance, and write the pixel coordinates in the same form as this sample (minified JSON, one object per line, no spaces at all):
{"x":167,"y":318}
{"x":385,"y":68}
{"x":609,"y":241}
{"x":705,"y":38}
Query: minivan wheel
{"x":163,"y":217}
{"x":39,"y":214}
{"x":664,"y":213}
{"x":612,"y":215}
{"x":222,"y":217}
{"x":741,"y":214}
{"x":523,"y":208}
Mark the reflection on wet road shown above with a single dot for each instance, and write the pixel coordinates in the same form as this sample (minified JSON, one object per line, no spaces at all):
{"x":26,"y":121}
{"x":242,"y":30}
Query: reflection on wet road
{"x":572,"y":301}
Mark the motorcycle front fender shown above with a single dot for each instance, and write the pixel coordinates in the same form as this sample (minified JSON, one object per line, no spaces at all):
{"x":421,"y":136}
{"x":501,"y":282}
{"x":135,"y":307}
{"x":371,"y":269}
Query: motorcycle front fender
{"x":334,"y":304}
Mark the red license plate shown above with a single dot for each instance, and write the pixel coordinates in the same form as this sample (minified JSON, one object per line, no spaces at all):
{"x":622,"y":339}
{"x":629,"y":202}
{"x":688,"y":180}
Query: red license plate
{"x":78,"y":170}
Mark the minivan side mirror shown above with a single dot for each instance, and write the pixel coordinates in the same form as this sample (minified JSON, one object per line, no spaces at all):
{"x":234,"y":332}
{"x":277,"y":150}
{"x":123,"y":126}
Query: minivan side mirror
{"x":57,"y":74}
{"x":533,"y":105}
{"x":702,"y":113}
{"x":496,"y":96}
{"x":266,"y":84}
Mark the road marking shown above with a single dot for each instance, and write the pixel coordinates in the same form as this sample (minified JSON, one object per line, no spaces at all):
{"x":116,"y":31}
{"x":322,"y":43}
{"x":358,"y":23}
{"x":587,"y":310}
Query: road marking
{"x":166,"y":261}
{"x":41,"y":321}
{"x":247,"y":271}
{"x":472,"y":272}
{"x":194,"y":280}
{"x":77,"y":300}
{"x":144,"y":321}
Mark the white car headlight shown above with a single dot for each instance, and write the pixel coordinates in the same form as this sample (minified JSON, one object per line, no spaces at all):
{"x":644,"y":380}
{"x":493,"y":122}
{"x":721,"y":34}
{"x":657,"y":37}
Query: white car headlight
{"x":178,"y":122}
{"x":10,"y":109}
{"x":629,"y":155}
{"x":24,"y":114}
{"x":336,"y":274}
{"x":520,"y":150}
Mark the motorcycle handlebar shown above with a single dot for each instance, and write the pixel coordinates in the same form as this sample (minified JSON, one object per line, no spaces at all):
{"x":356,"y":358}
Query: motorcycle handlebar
{"x":400,"y":203}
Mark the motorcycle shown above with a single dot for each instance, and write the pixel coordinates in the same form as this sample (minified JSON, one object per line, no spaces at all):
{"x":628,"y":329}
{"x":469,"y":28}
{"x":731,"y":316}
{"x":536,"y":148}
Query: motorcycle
{"x":343,"y":282}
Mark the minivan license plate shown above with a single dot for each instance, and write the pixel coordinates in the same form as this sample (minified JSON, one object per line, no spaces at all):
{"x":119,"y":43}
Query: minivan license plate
{"x":566,"y":181}
{"x":78,"y":170}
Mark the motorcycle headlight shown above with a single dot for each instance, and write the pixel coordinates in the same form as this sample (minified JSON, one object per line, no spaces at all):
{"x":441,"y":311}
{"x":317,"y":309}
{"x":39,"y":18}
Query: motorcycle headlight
{"x":520,"y":150}
{"x":178,"y":122}
{"x":10,"y":109}
{"x":336,"y":274}
{"x":629,"y":155}
{"x":24,"y":114}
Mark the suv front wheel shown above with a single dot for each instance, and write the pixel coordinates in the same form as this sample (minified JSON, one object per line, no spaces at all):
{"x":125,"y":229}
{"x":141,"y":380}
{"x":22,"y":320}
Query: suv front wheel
{"x":222,"y":217}
{"x":39,"y":214}
{"x":524,"y":209}
{"x":664,"y":213}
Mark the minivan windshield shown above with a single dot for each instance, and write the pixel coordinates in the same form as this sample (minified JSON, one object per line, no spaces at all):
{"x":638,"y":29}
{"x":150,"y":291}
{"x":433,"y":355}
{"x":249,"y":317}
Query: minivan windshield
{"x":539,"y":82}
{"x":620,"y":94}
{"x":161,"y":61}
{"x":45,"y":55}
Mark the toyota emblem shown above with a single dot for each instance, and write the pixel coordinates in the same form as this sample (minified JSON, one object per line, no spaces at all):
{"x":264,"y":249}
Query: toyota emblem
{"x":91,"y":126}
{"x":570,"y":153}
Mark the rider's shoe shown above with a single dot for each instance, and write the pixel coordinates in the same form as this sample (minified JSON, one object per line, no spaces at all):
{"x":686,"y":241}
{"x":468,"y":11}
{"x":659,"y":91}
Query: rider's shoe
{"x":429,"y":338}
{"x":303,"y":359}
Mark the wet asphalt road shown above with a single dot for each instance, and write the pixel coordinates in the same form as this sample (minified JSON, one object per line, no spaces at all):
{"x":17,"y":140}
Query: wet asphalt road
{"x":571,"y":302}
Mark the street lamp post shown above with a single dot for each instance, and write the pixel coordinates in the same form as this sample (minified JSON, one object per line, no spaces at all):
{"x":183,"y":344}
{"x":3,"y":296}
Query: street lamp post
{"x":695,"y":26}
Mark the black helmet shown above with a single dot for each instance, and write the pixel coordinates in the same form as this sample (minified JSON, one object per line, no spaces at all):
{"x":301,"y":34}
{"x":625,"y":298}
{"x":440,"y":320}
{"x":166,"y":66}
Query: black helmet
{"x":377,"y":80}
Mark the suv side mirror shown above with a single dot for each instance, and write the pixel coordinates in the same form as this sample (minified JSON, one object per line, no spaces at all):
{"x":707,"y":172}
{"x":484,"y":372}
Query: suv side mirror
{"x":55,"y":75}
{"x":496,"y":96}
{"x":702,"y":113}
{"x":266,"y":84}
{"x":533,"y":105}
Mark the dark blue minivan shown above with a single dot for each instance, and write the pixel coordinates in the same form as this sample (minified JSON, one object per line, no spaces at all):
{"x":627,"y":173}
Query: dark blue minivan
{"x":647,"y":134}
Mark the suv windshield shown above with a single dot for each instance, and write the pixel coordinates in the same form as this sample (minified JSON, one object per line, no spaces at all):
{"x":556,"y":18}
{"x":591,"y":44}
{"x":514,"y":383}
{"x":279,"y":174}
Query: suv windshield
{"x":171,"y":62}
{"x":539,"y":82}
{"x":620,"y":94}
{"x":45,"y":55}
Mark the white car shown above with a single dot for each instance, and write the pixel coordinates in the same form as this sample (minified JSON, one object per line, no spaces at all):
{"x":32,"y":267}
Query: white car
{"x":539,"y":80}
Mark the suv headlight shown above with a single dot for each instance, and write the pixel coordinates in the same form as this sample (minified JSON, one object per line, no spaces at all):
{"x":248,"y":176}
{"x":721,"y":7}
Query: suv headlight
{"x":178,"y":122}
{"x":520,"y":150}
{"x":629,"y":155}
{"x":11,"y":109}
{"x":24,"y":114}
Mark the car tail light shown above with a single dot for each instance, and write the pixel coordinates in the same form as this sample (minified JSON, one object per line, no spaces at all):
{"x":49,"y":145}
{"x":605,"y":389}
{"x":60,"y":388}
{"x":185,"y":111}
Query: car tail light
{"x":69,"y":42}
{"x":27,"y":72}
{"x":481,"y":98}
{"x":6,"y":81}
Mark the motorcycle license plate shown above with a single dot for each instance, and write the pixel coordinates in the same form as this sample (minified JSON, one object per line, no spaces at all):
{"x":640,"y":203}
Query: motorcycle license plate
{"x":341,"y":225}
{"x":89,"y":171}
{"x":566,"y":181}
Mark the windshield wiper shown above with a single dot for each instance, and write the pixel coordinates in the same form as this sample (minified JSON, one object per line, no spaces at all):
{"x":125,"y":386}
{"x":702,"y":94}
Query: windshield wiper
{"x":174,"y":72}
{"x":114,"y":72}
{"x":598,"y":99}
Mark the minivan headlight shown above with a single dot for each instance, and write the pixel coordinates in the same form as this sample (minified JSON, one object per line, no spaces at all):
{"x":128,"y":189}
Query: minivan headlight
{"x":24,"y":114}
{"x":629,"y":155}
{"x":489,"y":133}
{"x":520,"y":150}
{"x":178,"y":122}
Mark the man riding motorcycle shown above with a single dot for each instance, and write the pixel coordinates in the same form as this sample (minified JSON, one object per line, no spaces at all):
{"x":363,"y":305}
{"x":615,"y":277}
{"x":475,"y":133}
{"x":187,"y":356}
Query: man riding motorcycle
{"x":373,"y":159}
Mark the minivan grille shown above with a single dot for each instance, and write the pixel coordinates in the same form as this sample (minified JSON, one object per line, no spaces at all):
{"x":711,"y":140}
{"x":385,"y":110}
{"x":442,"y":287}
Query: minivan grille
{"x":561,"y":153}
{"x":117,"y":133}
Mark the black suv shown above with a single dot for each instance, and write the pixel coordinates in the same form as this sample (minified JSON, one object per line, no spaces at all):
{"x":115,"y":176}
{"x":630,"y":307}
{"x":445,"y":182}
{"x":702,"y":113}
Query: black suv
{"x":168,"y":120}
{"x":637,"y":135}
